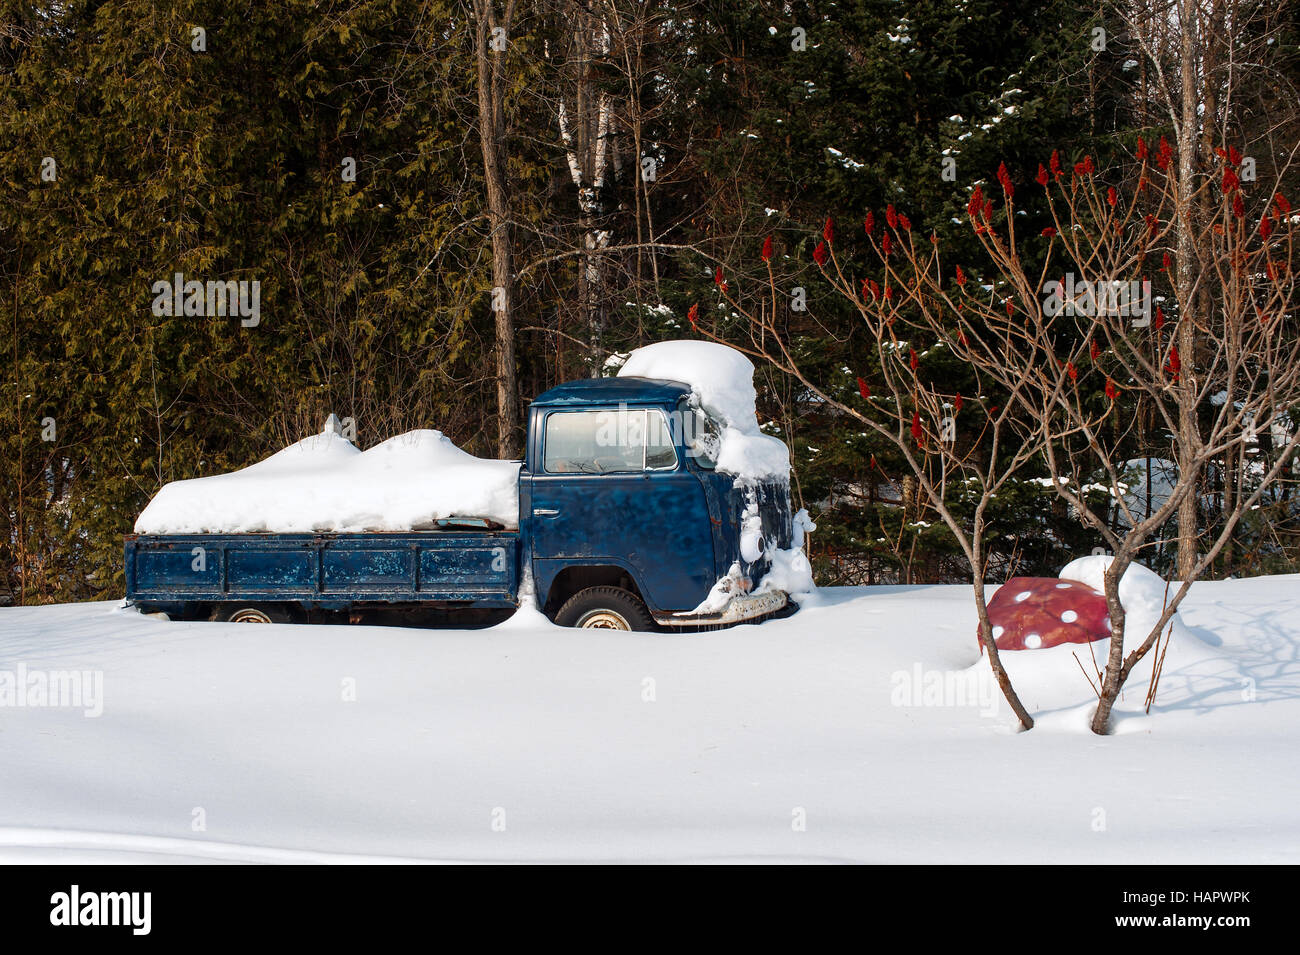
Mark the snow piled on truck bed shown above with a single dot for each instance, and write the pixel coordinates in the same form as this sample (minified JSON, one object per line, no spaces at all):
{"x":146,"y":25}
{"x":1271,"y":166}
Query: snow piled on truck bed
{"x":325,"y":484}
{"x":872,"y":712}
{"x":722,"y":383}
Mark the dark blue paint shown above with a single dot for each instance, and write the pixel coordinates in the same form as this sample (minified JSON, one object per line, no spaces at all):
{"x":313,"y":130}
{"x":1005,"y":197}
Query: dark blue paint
{"x":673,"y":532}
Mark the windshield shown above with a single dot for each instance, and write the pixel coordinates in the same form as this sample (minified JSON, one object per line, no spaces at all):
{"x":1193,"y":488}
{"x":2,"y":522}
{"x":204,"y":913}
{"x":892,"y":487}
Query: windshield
{"x":703,"y":437}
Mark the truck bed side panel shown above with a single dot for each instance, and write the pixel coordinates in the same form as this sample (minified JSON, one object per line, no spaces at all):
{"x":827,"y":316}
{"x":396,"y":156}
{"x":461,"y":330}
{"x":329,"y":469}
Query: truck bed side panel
{"x":334,"y":569}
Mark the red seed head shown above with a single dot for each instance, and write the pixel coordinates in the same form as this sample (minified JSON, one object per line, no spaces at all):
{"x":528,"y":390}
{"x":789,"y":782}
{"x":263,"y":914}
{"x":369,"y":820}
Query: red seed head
{"x":819,"y":254}
{"x":828,"y":231}
{"x":693,"y":315}
{"x":1041,"y":178}
{"x":869,"y":223}
{"x":767,"y":249}
{"x":961,"y":276}
{"x":1004,"y":178}
{"x":864,"y":389}
{"x":1164,"y":154}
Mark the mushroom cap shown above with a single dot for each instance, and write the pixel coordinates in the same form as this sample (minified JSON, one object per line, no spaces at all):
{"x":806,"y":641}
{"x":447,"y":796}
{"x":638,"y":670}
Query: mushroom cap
{"x":1032,"y":613}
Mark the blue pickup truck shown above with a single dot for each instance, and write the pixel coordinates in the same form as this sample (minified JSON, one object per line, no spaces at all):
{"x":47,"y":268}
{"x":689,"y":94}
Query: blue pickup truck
{"x":624,"y":523}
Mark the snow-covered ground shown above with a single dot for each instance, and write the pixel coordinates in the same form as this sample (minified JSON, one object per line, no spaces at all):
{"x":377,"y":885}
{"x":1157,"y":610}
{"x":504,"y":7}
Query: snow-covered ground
{"x":850,"y":731}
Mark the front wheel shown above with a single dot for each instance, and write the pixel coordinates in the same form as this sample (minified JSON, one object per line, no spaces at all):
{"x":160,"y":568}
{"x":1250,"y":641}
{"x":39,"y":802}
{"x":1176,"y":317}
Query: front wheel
{"x":605,"y":608}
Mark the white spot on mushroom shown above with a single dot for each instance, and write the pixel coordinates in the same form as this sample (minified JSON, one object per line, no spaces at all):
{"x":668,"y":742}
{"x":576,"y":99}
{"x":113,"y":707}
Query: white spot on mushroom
{"x":997,"y":632}
{"x":1033,"y":641}
{"x":1069,"y":616}
{"x":1023,"y":595}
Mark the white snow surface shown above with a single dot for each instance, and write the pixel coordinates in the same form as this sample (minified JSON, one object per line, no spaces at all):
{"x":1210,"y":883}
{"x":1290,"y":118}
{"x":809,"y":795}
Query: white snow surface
{"x":721,"y":380}
{"x":324,"y":483}
{"x":871,"y":714}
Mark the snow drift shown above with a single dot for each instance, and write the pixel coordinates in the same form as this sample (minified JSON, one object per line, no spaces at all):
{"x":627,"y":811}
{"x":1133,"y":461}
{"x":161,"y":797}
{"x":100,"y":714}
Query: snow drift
{"x":721,"y":380}
{"x":325,"y":484}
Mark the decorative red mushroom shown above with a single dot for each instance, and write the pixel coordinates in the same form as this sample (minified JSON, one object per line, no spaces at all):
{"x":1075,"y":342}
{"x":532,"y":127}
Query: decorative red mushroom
{"x":1030,"y":613}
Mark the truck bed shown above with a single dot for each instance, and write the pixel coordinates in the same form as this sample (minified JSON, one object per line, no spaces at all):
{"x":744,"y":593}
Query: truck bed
{"x":328,"y":571}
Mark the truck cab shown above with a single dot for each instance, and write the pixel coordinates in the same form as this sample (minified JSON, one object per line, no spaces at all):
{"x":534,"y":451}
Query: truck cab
{"x":622,"y":499}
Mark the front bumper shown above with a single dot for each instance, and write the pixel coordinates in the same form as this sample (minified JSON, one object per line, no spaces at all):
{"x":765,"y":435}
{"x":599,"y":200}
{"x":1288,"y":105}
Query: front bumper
{"x":738,"y":609}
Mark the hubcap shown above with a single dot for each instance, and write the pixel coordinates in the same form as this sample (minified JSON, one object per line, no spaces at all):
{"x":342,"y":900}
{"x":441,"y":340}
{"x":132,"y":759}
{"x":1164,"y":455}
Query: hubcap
{"x":249,"y":615}
{"x":603,"y":620}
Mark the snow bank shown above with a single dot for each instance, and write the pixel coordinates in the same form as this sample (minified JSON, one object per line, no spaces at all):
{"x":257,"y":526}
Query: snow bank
{"x":721,"y":380}
{"x":750,"y":722}
{"x":1142,"y":593}
{"x":323,"y":483}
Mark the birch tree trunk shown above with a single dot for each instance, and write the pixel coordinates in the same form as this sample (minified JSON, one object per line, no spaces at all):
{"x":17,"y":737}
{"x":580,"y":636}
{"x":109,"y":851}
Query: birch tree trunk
{"x":586,"y":125}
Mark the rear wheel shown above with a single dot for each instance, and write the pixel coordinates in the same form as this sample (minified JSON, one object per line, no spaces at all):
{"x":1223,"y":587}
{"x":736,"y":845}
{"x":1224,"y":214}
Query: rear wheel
{"x":252,"y":613}
{"x":605,"y":608}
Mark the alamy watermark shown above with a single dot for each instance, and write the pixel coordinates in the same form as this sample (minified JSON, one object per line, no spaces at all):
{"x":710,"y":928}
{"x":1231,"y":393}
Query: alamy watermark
{"x":974,"y":687}
{"x":1101,"y":299}
{"x":24,"y":687}
{"x":239,"y":299}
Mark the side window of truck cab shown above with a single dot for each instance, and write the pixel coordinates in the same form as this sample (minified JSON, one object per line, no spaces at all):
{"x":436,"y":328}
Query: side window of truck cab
{"x":608,"y":441}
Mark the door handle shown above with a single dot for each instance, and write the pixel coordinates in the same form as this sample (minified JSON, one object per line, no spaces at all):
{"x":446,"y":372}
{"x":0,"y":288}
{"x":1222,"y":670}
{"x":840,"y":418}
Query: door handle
{"x":545,"y":512}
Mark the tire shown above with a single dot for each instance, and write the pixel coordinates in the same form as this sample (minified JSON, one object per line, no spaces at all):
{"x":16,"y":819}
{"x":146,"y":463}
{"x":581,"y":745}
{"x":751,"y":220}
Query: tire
{"x":605,"y":608}
{"x":251,"y":613}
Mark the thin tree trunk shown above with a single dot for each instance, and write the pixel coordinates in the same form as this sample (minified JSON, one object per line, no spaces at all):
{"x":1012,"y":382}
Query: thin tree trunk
{"x":492,"y":136}
{"x":1185,"y":239}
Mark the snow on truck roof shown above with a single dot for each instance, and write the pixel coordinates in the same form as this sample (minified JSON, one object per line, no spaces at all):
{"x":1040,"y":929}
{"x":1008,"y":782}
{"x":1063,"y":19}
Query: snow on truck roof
{"x":721,"y":381}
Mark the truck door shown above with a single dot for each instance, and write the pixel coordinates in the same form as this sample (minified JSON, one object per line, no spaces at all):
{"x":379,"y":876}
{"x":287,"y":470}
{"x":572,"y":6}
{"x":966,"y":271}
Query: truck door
{"x":610,"y":486}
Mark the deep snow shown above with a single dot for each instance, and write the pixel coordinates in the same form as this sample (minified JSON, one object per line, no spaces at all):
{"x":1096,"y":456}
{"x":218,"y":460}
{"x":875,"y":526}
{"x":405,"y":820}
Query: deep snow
{"x":866,"y":715}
